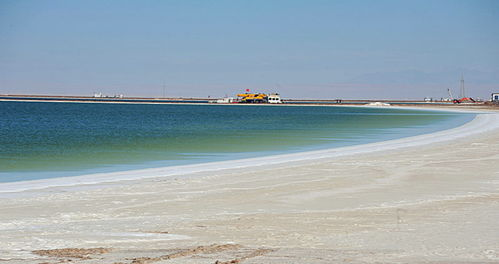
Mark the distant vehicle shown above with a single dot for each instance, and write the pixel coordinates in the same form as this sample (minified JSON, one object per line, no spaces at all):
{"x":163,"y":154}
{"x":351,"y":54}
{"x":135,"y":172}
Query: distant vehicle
{"x":254,"y":98}
{"x":464,"y":100}
{"x":274,"y":98}
{"x":258,"y":98}
{"x":225,"y":100}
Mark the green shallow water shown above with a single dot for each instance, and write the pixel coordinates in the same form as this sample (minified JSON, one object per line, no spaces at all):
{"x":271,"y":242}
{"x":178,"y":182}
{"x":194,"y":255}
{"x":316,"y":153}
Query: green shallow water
{"x":40,"y":140}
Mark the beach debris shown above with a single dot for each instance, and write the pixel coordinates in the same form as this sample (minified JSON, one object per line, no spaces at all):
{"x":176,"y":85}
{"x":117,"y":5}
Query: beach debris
{"x":157,"y":232}
{"x":79,"y":253}
{"x":188,"y":252}
{"x":256,"y":253}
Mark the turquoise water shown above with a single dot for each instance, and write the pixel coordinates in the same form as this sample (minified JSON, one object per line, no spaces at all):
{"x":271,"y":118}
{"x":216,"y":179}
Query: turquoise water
{"x":44,"y":140}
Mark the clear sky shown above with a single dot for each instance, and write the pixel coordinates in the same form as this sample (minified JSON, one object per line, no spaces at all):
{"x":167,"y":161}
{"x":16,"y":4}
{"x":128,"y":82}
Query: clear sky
{"x":302,"y":49}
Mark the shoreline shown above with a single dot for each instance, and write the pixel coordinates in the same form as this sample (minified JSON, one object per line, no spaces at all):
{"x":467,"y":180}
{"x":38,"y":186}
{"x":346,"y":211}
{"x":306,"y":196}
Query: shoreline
{"x":475,"y":126}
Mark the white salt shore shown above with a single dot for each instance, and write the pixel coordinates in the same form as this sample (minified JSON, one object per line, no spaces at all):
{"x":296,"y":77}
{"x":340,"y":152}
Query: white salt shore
{"x":431,"y":198}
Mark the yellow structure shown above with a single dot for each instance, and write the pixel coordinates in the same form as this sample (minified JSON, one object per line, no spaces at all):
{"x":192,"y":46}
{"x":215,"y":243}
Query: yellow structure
{"x":253,"y":98}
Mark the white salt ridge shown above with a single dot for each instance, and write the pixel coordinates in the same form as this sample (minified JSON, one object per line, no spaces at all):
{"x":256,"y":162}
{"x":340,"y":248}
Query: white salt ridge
{"x":483,"y":122}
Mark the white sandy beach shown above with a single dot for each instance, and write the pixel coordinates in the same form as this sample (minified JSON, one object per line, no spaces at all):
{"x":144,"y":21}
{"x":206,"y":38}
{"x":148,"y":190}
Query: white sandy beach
{"x":429,"y":199}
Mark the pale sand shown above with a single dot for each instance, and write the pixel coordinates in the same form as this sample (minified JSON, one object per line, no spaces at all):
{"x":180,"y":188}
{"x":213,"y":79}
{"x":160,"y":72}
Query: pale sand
{"x":436,"y":203}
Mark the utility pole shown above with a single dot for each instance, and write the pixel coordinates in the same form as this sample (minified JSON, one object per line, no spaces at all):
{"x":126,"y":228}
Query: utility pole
{"x":164,"y":90}
{"x":450,"y":94}
{"x":463,"y":93}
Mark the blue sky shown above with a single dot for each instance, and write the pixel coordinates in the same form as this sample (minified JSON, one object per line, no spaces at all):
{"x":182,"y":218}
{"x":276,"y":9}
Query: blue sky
{"x":302,"y":49}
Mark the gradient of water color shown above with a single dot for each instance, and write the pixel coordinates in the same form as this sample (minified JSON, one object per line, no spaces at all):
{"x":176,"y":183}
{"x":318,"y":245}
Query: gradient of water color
{"x":45,"y":140}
